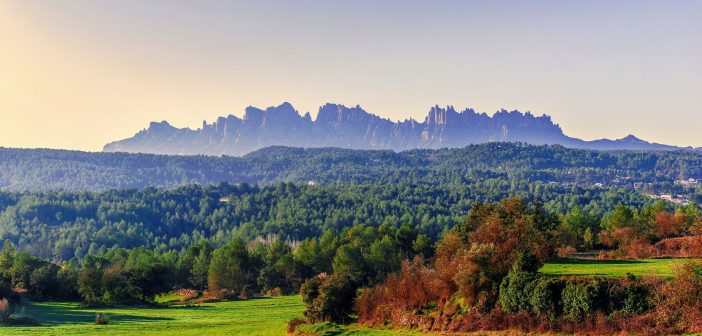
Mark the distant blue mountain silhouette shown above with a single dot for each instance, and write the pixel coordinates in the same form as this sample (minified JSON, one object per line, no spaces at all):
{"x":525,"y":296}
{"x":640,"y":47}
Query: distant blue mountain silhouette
{"x":352,"y":127}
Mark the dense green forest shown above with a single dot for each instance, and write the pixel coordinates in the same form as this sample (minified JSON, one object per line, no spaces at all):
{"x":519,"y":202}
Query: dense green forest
{"x":60,"y":225}
{"x":654,"y":172}
{"x":60,"y":205}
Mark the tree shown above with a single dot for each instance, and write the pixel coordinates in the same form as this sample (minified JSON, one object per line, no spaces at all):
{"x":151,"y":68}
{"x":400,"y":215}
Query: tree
{"x":198,"y":272}
{"x":349,"y":261}
{"x":329,"y":298}
{"x":622,"y":217}
{"x":90,"y":281}
{"x":588,"y":240}
{"x":405,"y":236}
{"x":230,"y":267}
{"x":147,"y":274}
{"x":482,"y":250}
{"x":668,"y":224}
{"x":423,"y":246}
{"x":383,"y":257}
{"x":43,"y":282}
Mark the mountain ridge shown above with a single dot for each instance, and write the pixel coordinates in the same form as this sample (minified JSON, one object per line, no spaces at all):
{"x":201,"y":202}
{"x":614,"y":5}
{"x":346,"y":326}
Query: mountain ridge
{"x":340,"y":126}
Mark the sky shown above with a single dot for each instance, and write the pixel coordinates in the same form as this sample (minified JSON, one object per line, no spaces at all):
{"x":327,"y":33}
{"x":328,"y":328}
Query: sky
{"x":76,"y":74}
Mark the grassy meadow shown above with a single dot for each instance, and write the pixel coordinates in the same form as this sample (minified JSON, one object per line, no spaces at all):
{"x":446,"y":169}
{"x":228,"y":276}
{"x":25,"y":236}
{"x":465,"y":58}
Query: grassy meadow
{"x":664,"y":267}
{"x":267,"y":316}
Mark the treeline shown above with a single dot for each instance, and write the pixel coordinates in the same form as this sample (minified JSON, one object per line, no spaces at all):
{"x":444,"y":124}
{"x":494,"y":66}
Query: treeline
{"x":484,"y":277}
{"x":41,"y":169}
{"x":236,"y":268}
{"x":651,"y":232}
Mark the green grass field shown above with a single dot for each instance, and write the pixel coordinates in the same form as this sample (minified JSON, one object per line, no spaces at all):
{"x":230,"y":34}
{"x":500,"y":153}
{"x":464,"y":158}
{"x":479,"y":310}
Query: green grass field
{"x":266,"y":316}
{"x":168,"y":297}
{"x":664,"y":268}
{"x":253,"y":317}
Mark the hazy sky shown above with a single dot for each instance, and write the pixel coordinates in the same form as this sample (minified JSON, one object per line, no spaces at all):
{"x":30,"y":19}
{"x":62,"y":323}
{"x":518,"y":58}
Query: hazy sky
{"x":77,"y":74}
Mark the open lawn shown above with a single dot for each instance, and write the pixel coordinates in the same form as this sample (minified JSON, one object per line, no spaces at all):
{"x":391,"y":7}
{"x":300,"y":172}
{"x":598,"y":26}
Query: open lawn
{"x":613,"y":268}
{"x":266,"y":316}
{"x":168,"y":297}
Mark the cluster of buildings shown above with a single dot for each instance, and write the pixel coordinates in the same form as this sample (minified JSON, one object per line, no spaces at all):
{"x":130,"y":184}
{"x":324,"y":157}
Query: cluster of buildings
{"x":689,"y":182}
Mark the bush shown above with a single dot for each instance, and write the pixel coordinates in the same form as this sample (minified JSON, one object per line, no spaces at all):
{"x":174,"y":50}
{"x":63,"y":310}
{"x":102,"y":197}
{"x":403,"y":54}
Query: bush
{"x":4,"y":310}
{"x":275,"y":292}
{"x":515,"y":291}
{"x":527,"y":262}
{"x":102,"y":319}
{"x":637,"y":299}
{"x":320,"y":329}
{"x":294,"y":323}
{"x":580,"y":299}
{"x":565,"y":251}
{"x":310,"y":288}
{"x":678,"y":303}
{"x":686,"y":288}
{"x":415,"y":287}
{"x":329,"y":298}
{"x":22,"y":318}
{"x":545,"y":299}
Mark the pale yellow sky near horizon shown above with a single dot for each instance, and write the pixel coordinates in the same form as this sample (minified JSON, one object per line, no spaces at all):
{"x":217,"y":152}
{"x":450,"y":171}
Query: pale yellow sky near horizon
{"x":79,"y":74}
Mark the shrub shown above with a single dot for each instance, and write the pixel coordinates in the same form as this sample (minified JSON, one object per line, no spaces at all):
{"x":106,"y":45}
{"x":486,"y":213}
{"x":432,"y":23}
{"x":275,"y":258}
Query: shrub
{"x":275,"y":292}
{"x":639,"y":249}
{"x":545,"y":299}
{"x":22,"y":318}
{"x":4,"y":310}
{"x":515,"y":291}
{"x":334,"y":299}
{"x":580,"y":299}
{"x":565,"y":251}
{"x":637,"y":299}
{"x":320,"y":329}
{"x":415,"y":287}
{"x":102,"y":319}
{"x":690,"y":246}
{"x":310,"y":288}
{"x":527,"y":262}
{"x":686,"y":288}
{"x":294,"y":323}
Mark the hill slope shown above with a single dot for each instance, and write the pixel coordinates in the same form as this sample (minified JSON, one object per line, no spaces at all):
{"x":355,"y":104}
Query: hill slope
{"x":41,"y":169}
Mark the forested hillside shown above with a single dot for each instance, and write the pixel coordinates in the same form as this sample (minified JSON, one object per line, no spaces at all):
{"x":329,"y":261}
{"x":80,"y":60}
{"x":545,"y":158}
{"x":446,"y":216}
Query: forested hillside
{"x":35,"y":170}
{"x":62,"y":225}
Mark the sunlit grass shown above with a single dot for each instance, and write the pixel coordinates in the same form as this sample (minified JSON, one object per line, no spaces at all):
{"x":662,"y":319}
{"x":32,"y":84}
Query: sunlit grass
{"x":664,"y":268}
{"x":267,"y":316}
{"x":168,"y":297}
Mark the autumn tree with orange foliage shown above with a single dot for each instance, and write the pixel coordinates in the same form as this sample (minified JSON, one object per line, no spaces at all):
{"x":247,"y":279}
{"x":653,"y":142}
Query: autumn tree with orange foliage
{"x":471,"y":260}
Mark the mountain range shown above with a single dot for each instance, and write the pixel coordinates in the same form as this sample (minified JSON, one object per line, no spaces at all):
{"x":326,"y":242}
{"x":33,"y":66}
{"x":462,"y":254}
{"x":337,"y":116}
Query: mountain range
{"x":352,"y":127}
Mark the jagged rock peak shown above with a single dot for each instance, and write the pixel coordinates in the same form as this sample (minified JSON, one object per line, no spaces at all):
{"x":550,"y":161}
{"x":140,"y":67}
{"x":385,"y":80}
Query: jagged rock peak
{"x":157,"y":124}
{"x":337,"y":125}
{"x":156,"y":127}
